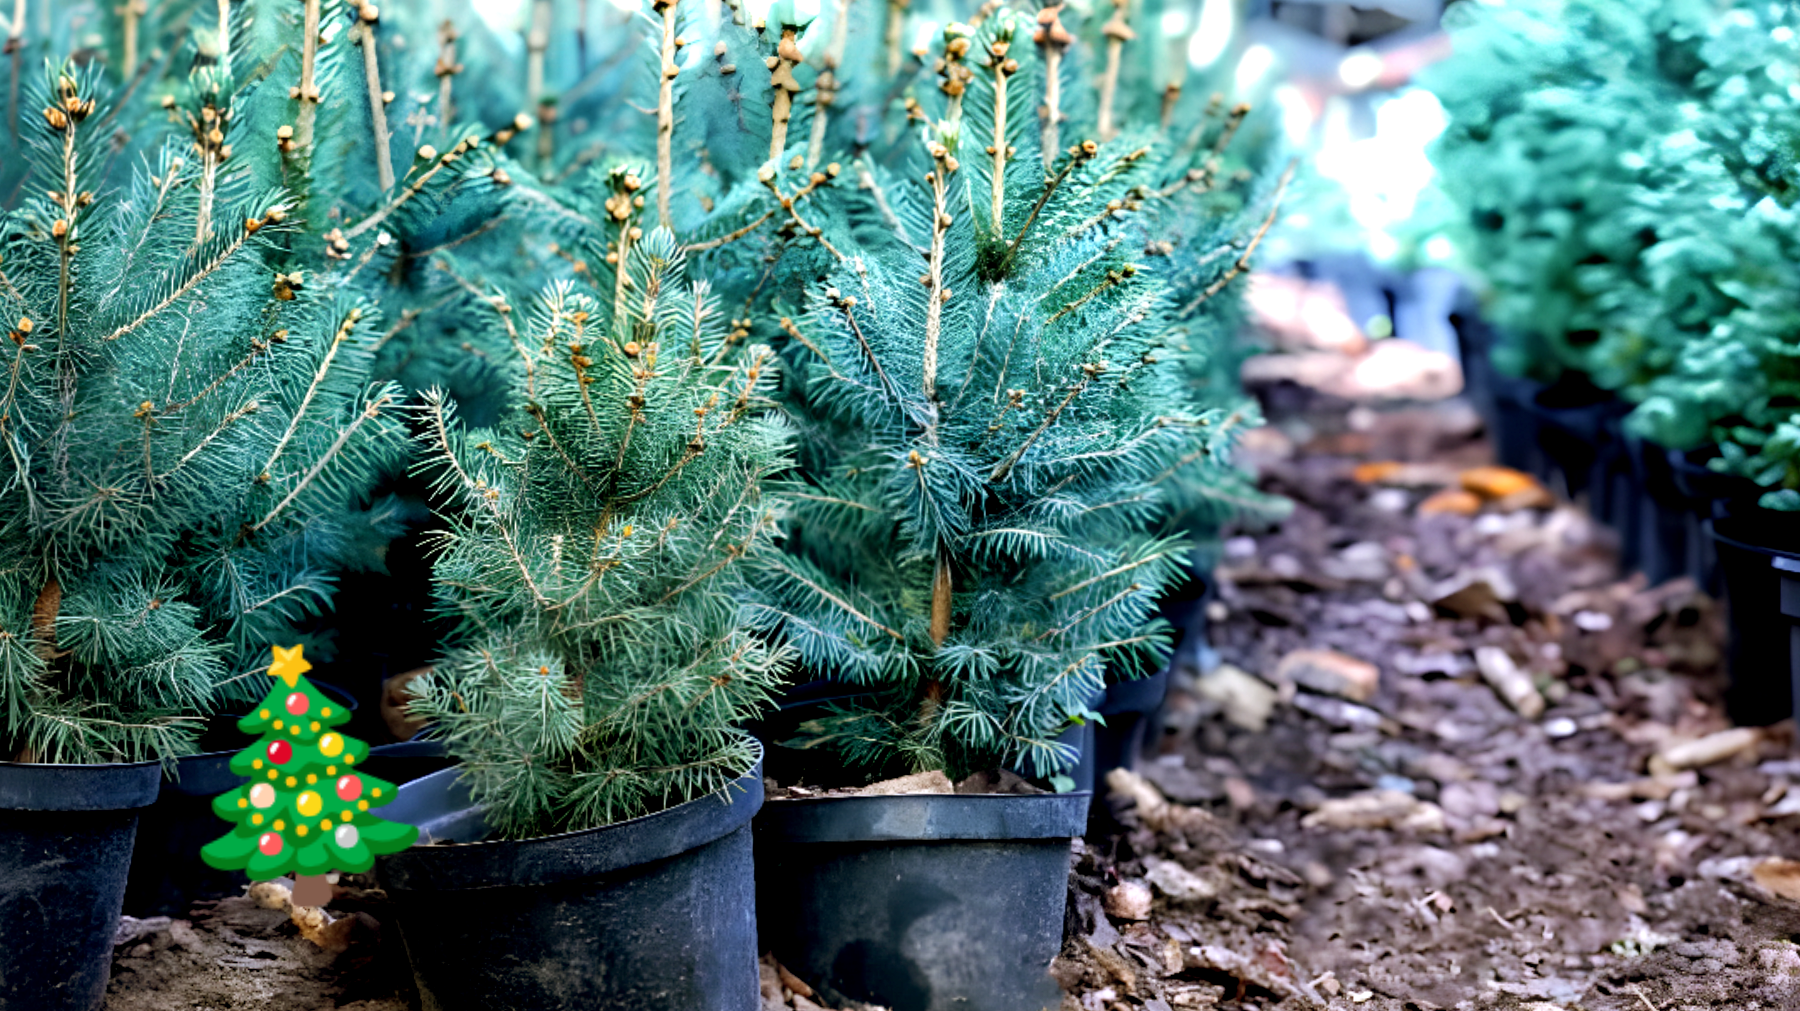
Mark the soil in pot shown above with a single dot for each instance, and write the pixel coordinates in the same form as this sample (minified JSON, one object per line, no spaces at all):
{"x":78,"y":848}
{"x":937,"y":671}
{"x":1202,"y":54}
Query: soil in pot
{"x":66,"y":834}
{"x":1759,"y":552}
{"x":921,"y":902}
{"x":653,"y":914}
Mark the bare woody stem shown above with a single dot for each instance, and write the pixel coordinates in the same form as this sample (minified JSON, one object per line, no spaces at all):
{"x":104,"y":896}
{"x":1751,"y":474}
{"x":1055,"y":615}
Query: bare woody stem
{"x":954,"y":71}
{"x":537,"y":43}
{"x":1052,"y":40}
{"x":131,"y":13}
{"x":384,"y":159}
{"x":1177,"y":77}
{"x":944,"y":166}
{"x":225,"y":38}
{"x":825,"y":88}
{"x":1003,"y":68}
{"x":15,"y":47}
{"x":446,"y":70}
{"x":1117,"y":32}
{"x":896,"y":30}
{"x":307,"y":92}
{"x":784,"y":87}
{"x":941,"y":597}
{"x":665,"y":115}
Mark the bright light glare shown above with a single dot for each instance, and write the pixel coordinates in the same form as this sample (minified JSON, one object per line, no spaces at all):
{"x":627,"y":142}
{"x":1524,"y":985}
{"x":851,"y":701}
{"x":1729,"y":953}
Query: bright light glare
{"x":1174,"y":22}
{"x":1256,"y":62}
{"x":924,"y":35}
{"x":1213,"y":36}
{"x":1297,"y":114}
{"x":1439,"y":248}
{"x":1382,"y":175}
{"x":504,"y":15}
{"x":806,"y":10}
{"x":1360,"y":69}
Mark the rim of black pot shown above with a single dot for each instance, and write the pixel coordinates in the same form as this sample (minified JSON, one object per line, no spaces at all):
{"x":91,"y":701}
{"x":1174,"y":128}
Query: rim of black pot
{"x":588,"y":853}
{"x":1767,"y":550}
{"x":925,"y":817}
{"x":106,"y":786}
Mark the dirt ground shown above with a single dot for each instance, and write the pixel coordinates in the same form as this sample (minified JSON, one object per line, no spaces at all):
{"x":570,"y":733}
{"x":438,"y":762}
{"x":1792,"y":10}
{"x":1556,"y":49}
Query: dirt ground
{"x":1391,"y":834}
{"x":1446,"y":758}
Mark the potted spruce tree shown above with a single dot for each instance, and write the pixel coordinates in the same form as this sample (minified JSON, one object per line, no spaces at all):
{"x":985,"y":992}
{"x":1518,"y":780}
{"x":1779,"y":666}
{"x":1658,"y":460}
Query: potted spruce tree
{"x":594,"y":561}
{"x":182,"y":476}
{"x":988,"y":423}
{"x":355,"y":213}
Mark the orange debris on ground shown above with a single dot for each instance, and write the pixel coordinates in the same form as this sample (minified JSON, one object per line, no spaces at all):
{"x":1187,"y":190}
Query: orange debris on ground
{"x":1452,"y":501}
{"x":1498,"y":482}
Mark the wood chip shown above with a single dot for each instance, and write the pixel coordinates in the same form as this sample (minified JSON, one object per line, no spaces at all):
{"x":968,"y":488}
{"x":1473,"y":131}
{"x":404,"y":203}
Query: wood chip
{"x":1709,"y":750}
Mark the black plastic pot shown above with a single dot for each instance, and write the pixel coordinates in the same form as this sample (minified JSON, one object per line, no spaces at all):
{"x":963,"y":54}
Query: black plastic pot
{"x":65,"y":842}
{"x":1759,"y":569}
{"x":1571,"y":427}
{"x":1130,"y":710}
{"x":1614,"y":492}
{"x":933,"y":902}
{"x":1669,"y":539}
{"x":653,"y":914}
{"x":167,"y":874}
{"x":1513,"y":430}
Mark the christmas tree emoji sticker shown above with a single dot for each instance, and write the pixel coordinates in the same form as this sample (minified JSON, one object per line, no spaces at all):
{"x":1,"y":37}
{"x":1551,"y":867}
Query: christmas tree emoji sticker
{"x":306,"y":809}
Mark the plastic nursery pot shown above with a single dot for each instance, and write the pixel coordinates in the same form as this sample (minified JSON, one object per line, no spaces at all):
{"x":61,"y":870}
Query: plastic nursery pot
{"x":66,"y":833}
{"x":925,"y":902}
{"x":167,"y":875}
{"x":1614,"y":489}
{"x":1514,"y":426}
{"x":1669,"y":538}
{"x":1709,"y":495}
{"x":1570,"y":428}
{"x":1759,"y":569}
{"x":653,"y":914}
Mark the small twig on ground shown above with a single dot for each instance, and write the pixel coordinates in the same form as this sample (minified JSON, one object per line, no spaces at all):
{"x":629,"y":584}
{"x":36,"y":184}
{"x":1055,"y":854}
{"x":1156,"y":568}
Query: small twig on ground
{"x":1646,"y":1000}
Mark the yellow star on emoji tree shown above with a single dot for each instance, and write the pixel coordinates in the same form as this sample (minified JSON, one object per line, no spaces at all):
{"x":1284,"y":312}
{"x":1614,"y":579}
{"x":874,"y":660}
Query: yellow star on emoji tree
{"x":289,"y":664}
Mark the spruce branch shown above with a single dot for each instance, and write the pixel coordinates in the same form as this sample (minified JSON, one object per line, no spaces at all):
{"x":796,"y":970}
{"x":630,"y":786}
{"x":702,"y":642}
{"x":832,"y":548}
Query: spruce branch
{"x":1004,"y":468}
{"x":1077,"y":155}
{"x":954,"y":72}
{"x":420,"y":183}
{"x":1243,"y":261}
{"x":342,"y":334}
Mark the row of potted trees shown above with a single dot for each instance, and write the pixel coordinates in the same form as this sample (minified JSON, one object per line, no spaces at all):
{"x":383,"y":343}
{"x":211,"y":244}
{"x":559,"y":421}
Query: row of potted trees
{"x":758,"y":351}
{"x":1625,"y":186}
